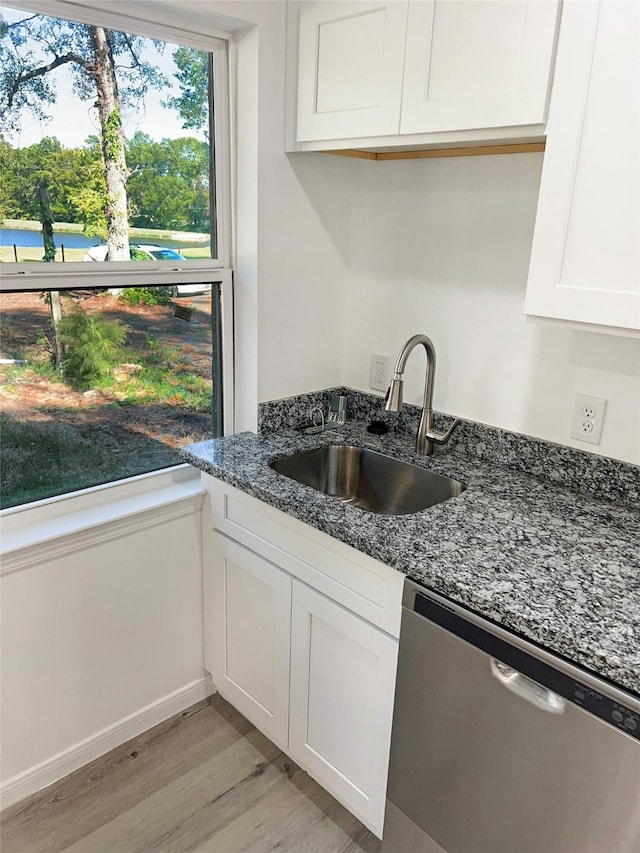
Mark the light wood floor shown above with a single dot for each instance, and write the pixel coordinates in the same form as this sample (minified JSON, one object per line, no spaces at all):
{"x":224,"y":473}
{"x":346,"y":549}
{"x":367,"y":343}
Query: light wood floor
{"x":204,"y":781}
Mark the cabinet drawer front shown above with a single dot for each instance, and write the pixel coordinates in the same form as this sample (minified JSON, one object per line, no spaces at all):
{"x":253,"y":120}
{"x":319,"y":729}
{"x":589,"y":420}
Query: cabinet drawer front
{"x":248,"y":602}
{"x":342,"y":688}
{"x":364,"y":585}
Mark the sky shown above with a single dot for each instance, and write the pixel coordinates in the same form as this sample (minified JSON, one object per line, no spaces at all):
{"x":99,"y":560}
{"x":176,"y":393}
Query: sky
{"x":72,"y":119}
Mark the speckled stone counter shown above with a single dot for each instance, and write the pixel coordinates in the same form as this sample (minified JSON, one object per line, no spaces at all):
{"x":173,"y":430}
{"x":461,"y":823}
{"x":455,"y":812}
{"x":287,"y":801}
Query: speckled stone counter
{"x":560,"y":568}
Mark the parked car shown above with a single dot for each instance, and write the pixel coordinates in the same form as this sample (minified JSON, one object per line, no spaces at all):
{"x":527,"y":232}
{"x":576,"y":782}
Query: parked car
{"x":145,"y":252}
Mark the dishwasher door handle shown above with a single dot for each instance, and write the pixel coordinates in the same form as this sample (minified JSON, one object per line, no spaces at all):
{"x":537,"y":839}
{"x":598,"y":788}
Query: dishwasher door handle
{"x":527,"y":688}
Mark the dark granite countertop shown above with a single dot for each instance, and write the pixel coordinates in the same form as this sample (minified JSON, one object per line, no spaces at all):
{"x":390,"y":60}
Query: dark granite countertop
{"x":559,"y":568}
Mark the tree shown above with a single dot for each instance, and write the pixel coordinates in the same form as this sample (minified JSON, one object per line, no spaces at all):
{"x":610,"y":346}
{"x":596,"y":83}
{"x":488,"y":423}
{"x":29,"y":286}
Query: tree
{"x":47,"y":224}
{"x":86,"y":198}
{"x":74,"y":178}
{"x":9,"y":182}
{"x":193,"y":78}
{"x":34,"y":166}
{"x":169,"y":184}
{"x":107,"y":66}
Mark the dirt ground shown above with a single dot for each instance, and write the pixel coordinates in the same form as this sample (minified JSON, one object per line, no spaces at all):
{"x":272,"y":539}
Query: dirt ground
{"x":142,"y":437}
{"x":25,"y":316}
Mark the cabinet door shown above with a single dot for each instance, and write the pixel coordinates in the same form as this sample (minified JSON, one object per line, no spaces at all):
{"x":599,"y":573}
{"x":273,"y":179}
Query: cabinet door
{"x":584,"y":259}
{"x":474,"y":64}
{"x":342,"y":688}
{"x":249,"y":602}
{"x":350,"y":63}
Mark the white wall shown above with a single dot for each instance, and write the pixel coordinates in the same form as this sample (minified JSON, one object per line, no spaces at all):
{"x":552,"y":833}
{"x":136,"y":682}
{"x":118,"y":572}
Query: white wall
{"x":351,"y":257}
{"x":303,"y":249}
{"x":442,"y":247}
{"x":292,"y":237}
{"x":101,"y":600}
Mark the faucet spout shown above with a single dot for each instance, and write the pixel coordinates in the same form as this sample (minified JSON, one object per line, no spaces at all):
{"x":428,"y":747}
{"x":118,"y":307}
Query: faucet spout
{"x":426,"y":437}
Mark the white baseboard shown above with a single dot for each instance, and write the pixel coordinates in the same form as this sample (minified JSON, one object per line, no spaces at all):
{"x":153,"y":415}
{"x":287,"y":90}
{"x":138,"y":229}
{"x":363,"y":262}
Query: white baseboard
{"x":40,"y":775}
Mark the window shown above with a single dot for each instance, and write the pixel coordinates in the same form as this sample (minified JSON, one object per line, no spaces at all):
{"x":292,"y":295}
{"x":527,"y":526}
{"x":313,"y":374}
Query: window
{"x":111,"y":148}
{"x":115,"y":305}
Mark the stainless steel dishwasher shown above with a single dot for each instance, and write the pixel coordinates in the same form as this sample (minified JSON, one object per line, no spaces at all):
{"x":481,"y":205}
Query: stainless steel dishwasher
{"x":501,"y":747}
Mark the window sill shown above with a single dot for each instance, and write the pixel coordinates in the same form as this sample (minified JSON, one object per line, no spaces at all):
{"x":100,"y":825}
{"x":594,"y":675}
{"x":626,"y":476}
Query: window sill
{"x":42,"y":531}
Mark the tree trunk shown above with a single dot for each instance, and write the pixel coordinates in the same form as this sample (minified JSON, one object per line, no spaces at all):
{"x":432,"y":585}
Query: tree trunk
{"x":50,"y":255}
{"x":47,"y":225}
{"x":112,"y":141}
{"x":56,"y":315}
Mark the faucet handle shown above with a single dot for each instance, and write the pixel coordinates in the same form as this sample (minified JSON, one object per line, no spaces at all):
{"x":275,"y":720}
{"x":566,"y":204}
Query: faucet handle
{"x":443,"y":437}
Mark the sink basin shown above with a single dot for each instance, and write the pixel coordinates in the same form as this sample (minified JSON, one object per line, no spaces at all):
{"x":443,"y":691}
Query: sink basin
{"x":367,"y":479}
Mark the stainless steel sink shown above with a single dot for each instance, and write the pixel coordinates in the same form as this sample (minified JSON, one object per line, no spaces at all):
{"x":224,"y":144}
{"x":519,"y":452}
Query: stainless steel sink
{"x":367,"y":479}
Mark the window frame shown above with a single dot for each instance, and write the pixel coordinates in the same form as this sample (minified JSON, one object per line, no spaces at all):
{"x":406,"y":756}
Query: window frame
{"x":22,"y":277}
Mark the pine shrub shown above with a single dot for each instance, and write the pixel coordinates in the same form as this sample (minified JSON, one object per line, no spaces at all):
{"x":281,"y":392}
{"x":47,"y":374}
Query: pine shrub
{"x":92,"y":346}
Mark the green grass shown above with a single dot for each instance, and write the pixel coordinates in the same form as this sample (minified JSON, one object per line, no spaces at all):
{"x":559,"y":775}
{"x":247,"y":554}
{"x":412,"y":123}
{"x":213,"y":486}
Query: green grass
{"x":67,"y":444}
{"x":20,"y":375}
{"x":140,"y":234}
{"x":32,"y":254}
{"x":163,"y":379}
{"x":200,"y":252}
{"x":45,"y":458}
{"x":35,"y":225}
{"x":64,"y":449}
{"x":166,"y":374}
{"x":154,"y":236}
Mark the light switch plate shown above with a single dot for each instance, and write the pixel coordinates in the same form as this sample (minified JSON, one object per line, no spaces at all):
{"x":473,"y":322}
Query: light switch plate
{"x":379,"y":372}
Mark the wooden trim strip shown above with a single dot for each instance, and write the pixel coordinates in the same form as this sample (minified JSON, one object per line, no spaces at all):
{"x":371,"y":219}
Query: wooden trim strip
{"x":433,"y":153}
{"x":477,"y":151}
{"x":349,"y":152}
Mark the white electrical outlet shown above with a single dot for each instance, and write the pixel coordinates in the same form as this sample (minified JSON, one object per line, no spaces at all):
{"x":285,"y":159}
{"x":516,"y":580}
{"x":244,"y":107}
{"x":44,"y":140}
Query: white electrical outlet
{"x":379,"y":372}
{"x":588,"y":415}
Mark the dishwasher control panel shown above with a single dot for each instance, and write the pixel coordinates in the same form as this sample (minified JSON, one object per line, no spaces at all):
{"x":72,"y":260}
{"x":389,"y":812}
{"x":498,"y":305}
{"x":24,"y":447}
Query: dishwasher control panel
{"x":605,"y":708}
{"x":522,"y":660}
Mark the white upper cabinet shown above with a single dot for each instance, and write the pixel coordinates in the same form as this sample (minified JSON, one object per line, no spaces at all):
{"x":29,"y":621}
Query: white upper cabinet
{"x":584,"y":261}
{"x":472,"y":64}
{"x":351,"y":57}
{"x":413,"y":72}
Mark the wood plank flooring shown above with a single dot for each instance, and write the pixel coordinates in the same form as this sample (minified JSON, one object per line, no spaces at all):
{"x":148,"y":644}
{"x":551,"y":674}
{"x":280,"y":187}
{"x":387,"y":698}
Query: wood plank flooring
{"x":205,"y":780}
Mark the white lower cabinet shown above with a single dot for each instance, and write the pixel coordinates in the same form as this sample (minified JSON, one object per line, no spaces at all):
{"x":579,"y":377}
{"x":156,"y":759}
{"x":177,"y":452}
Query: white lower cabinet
{"x":310,"y":673}
{"x":342,"y":686}
{"x":251,"y":608}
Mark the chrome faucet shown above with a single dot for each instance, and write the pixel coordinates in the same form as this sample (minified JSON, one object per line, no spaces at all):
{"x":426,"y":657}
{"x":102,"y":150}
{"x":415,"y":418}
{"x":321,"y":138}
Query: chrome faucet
{"x":426,"y":437}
